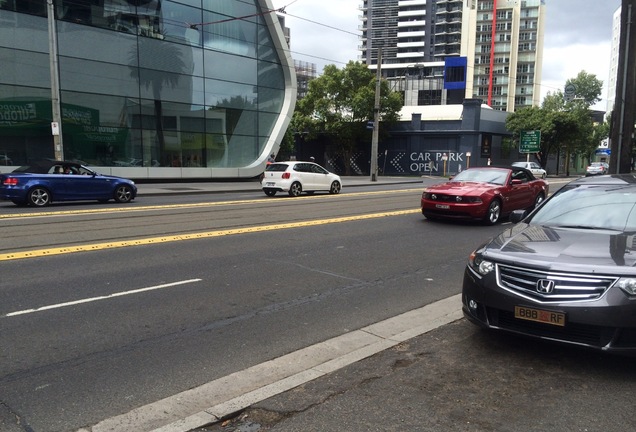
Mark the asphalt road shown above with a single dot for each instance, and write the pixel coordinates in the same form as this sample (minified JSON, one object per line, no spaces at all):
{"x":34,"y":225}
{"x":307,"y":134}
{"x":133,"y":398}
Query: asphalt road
{"x":104,"y":309}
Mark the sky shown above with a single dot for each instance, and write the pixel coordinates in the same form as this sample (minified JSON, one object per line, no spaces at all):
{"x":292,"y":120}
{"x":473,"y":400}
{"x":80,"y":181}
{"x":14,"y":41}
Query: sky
{"x":578,"y":35}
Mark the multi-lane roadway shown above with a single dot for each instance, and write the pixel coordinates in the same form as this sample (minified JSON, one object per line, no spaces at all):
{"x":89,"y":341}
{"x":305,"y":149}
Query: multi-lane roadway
{"x":107,"y":308}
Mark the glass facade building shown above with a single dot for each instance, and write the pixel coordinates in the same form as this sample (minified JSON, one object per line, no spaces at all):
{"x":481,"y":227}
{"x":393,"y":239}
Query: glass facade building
{"x":147,"y":88}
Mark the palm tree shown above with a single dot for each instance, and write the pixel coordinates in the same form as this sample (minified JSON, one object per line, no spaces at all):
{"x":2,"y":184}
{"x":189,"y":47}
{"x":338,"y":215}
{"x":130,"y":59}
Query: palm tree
{"x":165,"y":56}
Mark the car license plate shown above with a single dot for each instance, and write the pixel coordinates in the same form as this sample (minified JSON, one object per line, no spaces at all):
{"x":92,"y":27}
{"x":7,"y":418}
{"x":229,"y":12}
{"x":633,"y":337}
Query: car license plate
{"x":538,"y":315}
{"x":442,"y":206}
{"x":270,"y":184}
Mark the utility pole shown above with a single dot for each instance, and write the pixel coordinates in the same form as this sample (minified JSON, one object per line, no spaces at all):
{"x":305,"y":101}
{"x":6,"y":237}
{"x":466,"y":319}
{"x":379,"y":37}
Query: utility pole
{"x":376,"y":120}
{"x":56,"y":110}
{"x":623,"y":113}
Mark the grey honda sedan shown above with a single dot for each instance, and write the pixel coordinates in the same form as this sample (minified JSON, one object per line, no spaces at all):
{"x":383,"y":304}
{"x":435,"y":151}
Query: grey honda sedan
{"x":565,"y":272}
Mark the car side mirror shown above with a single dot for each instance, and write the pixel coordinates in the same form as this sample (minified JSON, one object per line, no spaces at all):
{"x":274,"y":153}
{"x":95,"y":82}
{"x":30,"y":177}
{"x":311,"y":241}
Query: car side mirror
{"x":517,"y":215}
{"x":516,"y":182}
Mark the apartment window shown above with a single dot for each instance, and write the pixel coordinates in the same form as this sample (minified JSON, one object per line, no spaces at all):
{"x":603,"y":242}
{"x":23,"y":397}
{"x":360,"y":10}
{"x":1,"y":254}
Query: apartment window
{"x":455,"y":74}
{"x":429,"y":97}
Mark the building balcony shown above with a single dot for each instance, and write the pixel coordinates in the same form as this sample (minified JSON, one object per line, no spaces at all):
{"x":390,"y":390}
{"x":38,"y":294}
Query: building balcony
{"x":405,"y":55}
{"x":411,"y":3}
{"x":412,"y":13}
{"x":411,"y":34}
{"x":410,"y":44}
{"x":414,"y":23}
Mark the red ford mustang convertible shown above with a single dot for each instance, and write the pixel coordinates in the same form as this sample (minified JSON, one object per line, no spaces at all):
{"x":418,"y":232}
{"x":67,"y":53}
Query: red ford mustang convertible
{"x":485,"y":194}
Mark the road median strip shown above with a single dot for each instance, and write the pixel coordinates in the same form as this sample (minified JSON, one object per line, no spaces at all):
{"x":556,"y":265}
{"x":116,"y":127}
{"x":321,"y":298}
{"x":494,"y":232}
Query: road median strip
{"x":39,"y":253}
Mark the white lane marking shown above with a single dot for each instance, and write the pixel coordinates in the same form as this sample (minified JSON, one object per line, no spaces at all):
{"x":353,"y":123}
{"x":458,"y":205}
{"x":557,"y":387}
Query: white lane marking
{"x":93,"y":299}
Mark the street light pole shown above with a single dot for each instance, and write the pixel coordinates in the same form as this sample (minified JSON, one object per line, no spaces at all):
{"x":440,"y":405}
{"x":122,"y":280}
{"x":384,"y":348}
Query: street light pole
{"x":376,"y":120}
{"x":56,"y":124}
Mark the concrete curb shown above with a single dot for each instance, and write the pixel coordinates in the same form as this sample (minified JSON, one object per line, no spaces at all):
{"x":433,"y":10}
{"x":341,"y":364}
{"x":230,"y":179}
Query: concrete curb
{"x":228,"y":395}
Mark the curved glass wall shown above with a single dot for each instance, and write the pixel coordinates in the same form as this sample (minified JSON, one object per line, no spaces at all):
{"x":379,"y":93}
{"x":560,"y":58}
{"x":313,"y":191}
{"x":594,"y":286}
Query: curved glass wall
{"x":146,"y":83}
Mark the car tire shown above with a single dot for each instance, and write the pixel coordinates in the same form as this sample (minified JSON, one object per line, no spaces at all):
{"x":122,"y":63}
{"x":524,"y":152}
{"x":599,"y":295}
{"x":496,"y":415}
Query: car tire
{"x":544,"y":175}
{"x":335,"y":188}
{"x":39,"y":197}
{"x":538,"y":200}
{"x":494,"y":212}
{"x":269,"y":192}
{"x":295,"y":189}
{"x":123,"y":194}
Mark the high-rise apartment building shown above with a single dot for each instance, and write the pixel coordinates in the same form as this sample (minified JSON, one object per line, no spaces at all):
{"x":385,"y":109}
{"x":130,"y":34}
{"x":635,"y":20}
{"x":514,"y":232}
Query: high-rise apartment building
{"x":506,"y":52}
{"x":502,"y":41}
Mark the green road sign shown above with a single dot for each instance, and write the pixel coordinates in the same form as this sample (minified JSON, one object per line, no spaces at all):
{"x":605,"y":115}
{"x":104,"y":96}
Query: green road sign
{"x":530,"y":142}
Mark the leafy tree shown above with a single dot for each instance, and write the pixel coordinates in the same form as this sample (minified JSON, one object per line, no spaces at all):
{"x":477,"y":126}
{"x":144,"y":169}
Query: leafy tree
{"x":340,"y":103}
{"x":555,"y":126}
{"x":588,"y":88}
{"x":564,"y":124}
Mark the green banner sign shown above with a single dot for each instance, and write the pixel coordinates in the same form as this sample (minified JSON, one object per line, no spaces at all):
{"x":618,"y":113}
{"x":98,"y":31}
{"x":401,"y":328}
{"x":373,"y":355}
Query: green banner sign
{"x":530,"y":142}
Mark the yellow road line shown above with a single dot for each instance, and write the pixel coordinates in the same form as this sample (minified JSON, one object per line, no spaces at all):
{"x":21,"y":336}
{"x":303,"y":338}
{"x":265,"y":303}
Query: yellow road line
{"x":37,"y":253}
{"x":192,"y":205}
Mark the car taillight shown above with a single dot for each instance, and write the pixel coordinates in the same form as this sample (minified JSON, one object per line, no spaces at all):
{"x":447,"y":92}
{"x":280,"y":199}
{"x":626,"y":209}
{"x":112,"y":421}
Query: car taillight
{"x":286,"y":175}
{"x":10,"y":181}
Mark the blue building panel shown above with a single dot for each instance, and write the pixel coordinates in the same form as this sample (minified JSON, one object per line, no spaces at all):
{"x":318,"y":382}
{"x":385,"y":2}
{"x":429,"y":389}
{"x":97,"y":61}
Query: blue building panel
{"x":455,"y":73}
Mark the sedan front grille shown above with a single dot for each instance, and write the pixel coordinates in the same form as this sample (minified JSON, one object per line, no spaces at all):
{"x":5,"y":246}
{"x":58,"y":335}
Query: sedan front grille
{"x":442,"y":197}
{"x":549,"y":287}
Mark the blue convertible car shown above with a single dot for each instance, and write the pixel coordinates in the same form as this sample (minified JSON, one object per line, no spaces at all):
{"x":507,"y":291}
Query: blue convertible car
{"x":44,"y":182}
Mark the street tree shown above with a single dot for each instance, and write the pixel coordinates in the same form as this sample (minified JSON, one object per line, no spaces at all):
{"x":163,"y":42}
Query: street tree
{"x":565,"y":123}
{"x":340,"y":102}
{"x":587,"y":87}
{"x":556,"y":128}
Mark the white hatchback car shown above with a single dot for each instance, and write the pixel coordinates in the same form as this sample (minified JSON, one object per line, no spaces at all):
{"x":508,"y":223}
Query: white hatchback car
{"x":295,"y":177}
{"x":533,"y":167}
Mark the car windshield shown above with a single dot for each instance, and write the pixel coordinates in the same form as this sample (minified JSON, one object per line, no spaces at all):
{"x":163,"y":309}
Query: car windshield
{"x":593,"y":207}
{"x":496,"y":176}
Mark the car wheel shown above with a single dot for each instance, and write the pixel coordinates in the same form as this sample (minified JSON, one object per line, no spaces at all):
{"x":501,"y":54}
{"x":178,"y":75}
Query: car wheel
{"x":269,"y":192}
{"x":295,"y":189}
{"x":538,"y":200}
{"x":39,"y":197}
{"x":123,"y":194}
{"x":544,"y":175}
{"x":494,"y":212}
{"x":335,"y":187}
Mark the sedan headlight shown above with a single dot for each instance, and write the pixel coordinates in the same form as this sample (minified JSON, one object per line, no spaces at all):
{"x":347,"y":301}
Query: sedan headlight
{"x":471,"y":199}
{"x":479,"y":264}
{"x":628,"y":285}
